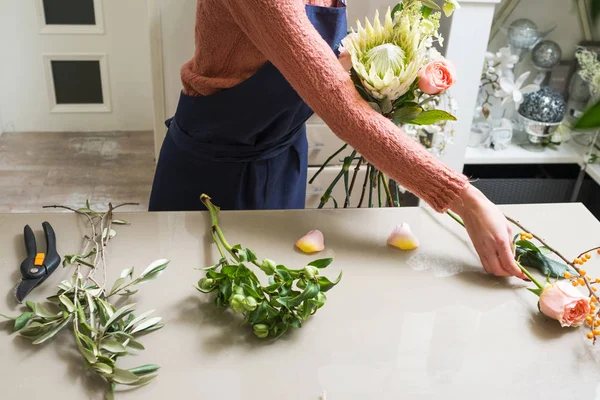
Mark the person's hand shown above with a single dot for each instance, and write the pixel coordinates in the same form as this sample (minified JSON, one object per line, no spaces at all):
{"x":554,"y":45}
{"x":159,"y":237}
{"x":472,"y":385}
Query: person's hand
{"x":489,"y":231}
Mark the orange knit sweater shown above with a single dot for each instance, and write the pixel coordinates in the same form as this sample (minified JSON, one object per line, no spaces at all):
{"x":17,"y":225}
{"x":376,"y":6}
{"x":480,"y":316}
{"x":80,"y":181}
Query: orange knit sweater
{"x":234,"y":38}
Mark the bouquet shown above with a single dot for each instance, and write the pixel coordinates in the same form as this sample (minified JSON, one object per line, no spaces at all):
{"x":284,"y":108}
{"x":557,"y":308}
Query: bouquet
{"x":396,"y":69}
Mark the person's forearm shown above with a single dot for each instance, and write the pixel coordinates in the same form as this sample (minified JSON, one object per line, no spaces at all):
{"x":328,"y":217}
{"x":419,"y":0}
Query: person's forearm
{"x":282,"y":31}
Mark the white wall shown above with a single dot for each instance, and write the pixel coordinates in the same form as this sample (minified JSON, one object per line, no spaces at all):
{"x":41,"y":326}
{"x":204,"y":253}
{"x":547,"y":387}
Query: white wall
{"x":23,"y":96}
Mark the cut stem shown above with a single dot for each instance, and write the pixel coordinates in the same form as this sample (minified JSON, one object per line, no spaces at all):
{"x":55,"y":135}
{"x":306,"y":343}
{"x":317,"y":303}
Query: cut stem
{"x":364,"y":188}
{"x":331,"y":157}
{"x":386,"y":186}
{"x":539,"y":285}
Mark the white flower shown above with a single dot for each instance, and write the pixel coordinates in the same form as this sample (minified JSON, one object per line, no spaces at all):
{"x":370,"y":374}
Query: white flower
{"x":511,"y":90}
{"x":387,"y":57}
{"x":502,"y":62}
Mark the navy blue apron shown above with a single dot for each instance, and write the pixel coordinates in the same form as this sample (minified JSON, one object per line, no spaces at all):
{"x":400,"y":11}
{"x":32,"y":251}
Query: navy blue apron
{"x":245,"y":147}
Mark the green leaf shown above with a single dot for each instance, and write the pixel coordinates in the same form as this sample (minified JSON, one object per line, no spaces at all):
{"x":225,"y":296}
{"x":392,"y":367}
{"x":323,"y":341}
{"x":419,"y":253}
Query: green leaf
{"x":250,"y":255}
{"x":312,"y":290}
{"x":120,"y":222}
{"x":283,"y":273}
{"x":304,"y":311}
{"x":326,"y":284}
{"x":124,"y":377}
{"x":128,"y":292}
{"x":134,"y":344}
{"x":525,"y":244}
{"x":406,"y":114}
{"x":120,"y":313}
{"x":30,"y":305}
{"x":21,"y":321}
{"x":386,"y":106}
{"x":154,"y":268}
{"x":397,"y":8}
{"x":67,"y":303}
{"x":105,"y":369}
{"x":146,"y":324}
{"x":251,"y":291}
{"x":546,"y":266}
{"x":545,"y":250}
{"x":431,"y":4}
{"x":322,"y":263}
{"x":116,"y":285}
{"x":431,"y":117}
{"x":113,"y":346}
{"x":426,"y":11}
{"x":259,"y":314}
{"x":139,"y":318}
{"x":53,"y":331}
{"x":144,"y":369}
{"x":375,"y":107}
{"x":145,"y":379}
{"x":590,"y":118}
{"x":88,"y":355}
{"x":43,"y":312}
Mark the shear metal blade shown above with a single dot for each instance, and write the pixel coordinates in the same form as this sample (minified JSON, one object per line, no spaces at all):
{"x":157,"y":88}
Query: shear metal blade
{"x":25,"y":287}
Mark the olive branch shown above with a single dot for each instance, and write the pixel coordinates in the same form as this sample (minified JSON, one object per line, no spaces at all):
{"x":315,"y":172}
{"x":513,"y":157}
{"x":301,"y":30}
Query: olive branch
{"x":103,"y":333}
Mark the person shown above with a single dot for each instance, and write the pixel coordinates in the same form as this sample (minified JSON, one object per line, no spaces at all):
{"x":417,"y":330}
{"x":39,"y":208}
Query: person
{"x":261,"y":68}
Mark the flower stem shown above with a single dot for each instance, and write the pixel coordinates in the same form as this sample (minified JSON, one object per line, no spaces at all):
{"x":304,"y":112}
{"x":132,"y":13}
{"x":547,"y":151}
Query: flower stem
{"x":345,"y":168}
{"x":331,"y":157}
{"x":455,"y":217}
{"x":364,"y":188}
{"x":539,"y":285}
{"x":388,"y":193}
{"x":379,"y":188}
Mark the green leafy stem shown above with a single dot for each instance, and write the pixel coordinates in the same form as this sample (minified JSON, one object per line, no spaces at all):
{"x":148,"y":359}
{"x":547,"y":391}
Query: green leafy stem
{"x":103,"y":333}
{"x":289,"y":299}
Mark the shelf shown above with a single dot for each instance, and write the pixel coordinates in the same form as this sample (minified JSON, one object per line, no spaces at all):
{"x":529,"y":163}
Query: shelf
{"x":593,"y":170}
{"x":566,"y":153}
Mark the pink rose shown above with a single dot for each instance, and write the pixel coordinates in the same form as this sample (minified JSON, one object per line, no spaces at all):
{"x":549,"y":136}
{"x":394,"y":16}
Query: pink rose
{"x":437,"y":76}
{"x":564,"y":303}
{"x":345,"y":59}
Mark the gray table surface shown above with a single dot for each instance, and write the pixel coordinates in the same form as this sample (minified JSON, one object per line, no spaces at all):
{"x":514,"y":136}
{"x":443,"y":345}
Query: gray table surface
{"x":426,"y":324}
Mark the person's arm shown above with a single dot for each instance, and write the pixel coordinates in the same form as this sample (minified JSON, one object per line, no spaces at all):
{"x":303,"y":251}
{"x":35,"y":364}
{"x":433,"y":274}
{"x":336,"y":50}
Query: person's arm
{"x":282,"y":32}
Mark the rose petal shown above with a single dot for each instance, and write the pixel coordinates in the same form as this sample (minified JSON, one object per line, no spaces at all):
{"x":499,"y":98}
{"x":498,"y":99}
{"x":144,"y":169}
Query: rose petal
{"x":312,"y":242}
{"x":403,"y":238}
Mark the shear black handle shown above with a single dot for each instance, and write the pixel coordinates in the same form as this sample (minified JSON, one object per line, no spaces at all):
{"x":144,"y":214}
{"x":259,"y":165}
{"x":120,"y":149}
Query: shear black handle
{"x":28,"y":269}
{"x":52,"y":259}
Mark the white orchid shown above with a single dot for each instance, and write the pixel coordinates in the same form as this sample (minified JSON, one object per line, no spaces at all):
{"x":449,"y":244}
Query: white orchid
{"x":387,"y":57}
{"x":511,"y":90}
{"x":502,"y":62}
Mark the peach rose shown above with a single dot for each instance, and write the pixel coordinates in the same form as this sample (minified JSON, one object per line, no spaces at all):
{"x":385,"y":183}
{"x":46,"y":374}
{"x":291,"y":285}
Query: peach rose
{"x":345,"y":59}
{"x":437,"y":76}
{"x":564,"y":303}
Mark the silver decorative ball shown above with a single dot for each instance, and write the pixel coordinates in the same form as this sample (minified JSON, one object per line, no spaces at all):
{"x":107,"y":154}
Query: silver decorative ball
{"x":545,"y":105}
{"x":522,"y":34}
{"x":546,"y":54}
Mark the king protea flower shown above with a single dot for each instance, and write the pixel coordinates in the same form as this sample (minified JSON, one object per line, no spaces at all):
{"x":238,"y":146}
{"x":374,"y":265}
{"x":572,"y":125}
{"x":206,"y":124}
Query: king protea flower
{"x":388,"y":57}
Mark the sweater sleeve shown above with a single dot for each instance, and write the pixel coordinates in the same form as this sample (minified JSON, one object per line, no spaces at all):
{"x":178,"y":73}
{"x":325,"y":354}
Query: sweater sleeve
{"x":282,"y":31}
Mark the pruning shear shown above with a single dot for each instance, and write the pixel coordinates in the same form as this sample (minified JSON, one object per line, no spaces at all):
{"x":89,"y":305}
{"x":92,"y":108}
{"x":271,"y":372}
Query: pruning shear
{"x":37,"y":266}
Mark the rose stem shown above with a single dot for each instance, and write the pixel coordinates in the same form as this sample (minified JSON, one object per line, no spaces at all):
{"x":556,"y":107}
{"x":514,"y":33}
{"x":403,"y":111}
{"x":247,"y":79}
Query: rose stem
{"x":346,"y":189}
{"x":360,"y":161}
{"x":326,"y":163}
{"x":379,"y":184}
{"x":364,"y":188}
{"x":386,"y":186}
{"x":539,"y":285}
{"x":345,"y":168}
{"x":372,"y":176}
{"x":397,"y":190}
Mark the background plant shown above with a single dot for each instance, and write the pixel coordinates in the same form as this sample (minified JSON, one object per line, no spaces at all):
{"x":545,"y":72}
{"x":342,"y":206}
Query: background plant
{"x":103,"y":332}
{"x":289,"y":299}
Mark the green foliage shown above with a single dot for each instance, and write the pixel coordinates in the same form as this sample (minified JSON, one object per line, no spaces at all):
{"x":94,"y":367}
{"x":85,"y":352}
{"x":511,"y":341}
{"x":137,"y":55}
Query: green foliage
{"x":591,"y":118}
{"x":532,"y":256}
{"x":289,"y":299}
{"x":103,"y":333}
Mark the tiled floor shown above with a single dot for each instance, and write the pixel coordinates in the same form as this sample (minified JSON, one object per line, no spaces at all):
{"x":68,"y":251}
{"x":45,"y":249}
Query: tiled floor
{"x":38,"y":169}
